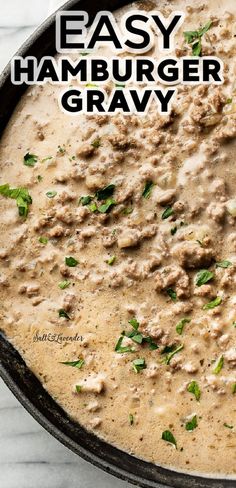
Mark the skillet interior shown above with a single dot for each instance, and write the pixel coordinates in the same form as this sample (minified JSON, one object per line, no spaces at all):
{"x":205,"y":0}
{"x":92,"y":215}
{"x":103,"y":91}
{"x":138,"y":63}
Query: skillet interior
{"x":13,"y":369}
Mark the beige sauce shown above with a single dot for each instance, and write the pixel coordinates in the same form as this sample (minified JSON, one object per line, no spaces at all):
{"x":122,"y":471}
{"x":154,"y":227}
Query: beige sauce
{"x":190,"y":158}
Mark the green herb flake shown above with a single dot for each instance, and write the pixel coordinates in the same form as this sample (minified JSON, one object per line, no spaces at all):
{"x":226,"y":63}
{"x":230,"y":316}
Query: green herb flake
{"x":131,"y":419}
{"x":127,"y":211}
{"x":21,"y":195}
{"x":71,"y":262}
{"x":51,"y":194}
{"x":195,"y":38}
{"x":43,"y":240}
{"x":203,"y":276}
{"x":119,"y":85}
{"x":152,"y":345}
{"x":180,"y":326}
{"x":138,"y":338}
{"x":197,"y":48}
{"x":63,"y":314}
{"x":61,"y":150}
{"x":148,"y":189}
{"x":46,"y":159}
{"x":234,"y":388}
{"x":105,"y":192}
{"x":167,"y":213}
{"x":75,"y":364}
{"x":223,"y":264}
{"x":173,"y":230}
{"x":168,"y":437}
{"x":85,"y":200}
{"x":111,"y":260}
{"x":172,"y":353}
{"x":30,"y":160}
{"x":214,"y":303}
{"x":93,"y":207}
{"x":122,"y":349}
{"x":234,"y":324}
{"x":134,"y":323}
{"x":64,"y":284}
{"x":172,"y":294}
{"x":229,"y":101}
{"x":78,"y":388}
{"x":191,"y":424}
{"x":193,"y":387}
{"x":96,"y":143}
{"x":228,"y":426}
{"x":39,"y":178}
{"x":107,"y":206}
{"x":139,"y":364}
{"x":219,"y":365}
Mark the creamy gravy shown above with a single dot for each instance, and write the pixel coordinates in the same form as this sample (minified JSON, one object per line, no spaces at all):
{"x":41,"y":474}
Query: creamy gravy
{"x":141,"y":261}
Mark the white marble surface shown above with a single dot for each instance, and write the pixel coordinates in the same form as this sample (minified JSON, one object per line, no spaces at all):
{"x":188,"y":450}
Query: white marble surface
{"x":29,"y":456}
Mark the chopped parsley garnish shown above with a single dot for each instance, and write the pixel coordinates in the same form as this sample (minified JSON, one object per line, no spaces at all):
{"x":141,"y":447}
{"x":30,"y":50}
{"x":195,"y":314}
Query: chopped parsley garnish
{"x":134,"y":323}
{"x":105,"y":192}
{"x":39,"y":178}
{"x":191,"y":424}
{"x":172,"y":294}
{"x":93,"y":207}
{"x":51,"y":194}
{"x":203,"y":276}
{"x":139,"y":365}
{"x":214,"y":303}
{"x":43,"y":240}
{"x":111,"y":260}
{"x":228,"y":426}
{"x":195,"y":38}
{"x":71,"y":262}
{"x":136,"y":337}
{"x":106,"y":207}
{"x":30,"y":159}
{"x":181,"y":324}
{"x":152,"y":345}
{"x":78,"y":388}
{"x":168,"y":437}
{"x":127,"y":211}
{"x":234,"y":324}
{"x":131,"y":419}
{"x":234,"y":388}
{"x":63,"y":314}
{"x":173,"y":230}
{"x":119,"y":85}
{"x":223,"y":264}
{"x":167,"y":213}
{"x":21,"y":195}
{"x":64,"y":284}
{"x":122,"y":349}
{"x":193,"y":387}
{"x":148,"y":189}
{"x":75,"y":364}
{"x":171,"y":352}
{"x":61,"y":150}
{"x":46,"y":159}
{"x":96,"y":143}
{"x":219,"y":365}
{"x":85,"y":200}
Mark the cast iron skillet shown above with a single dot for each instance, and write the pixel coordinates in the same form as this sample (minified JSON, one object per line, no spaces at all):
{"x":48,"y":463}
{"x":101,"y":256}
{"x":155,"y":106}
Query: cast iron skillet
{"x":25,"y":386}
